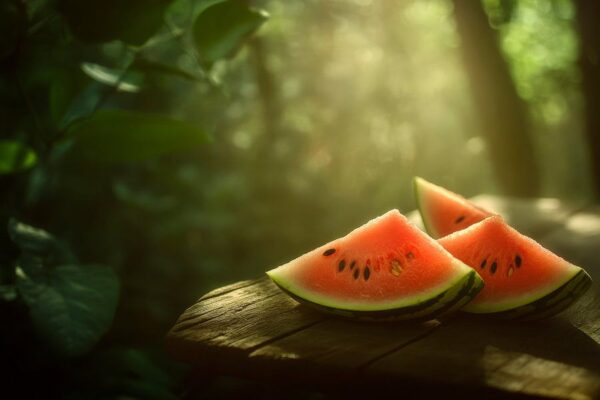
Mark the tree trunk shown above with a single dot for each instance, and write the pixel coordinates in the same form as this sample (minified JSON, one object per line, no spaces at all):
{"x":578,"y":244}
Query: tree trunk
{"x":503,"y":114}
{"x":271,"y":108}
{"x":588,"y":18}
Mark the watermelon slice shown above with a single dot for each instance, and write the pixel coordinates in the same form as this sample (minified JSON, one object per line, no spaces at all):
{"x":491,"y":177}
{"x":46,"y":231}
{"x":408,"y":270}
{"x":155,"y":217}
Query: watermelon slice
{"x":522,"y":278}
{"x":443,"y":211}
{"x":386,"y":269}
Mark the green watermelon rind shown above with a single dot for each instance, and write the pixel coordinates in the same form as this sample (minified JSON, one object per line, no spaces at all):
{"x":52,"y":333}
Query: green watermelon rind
{"x":455,"y":297}
{"x":526,"y":299}
{"x":421,"y":206}
{"x":552,"y":303}
{"x":418,"y":185}
{"x":567,"y":297}
{"x":455,"y":300}
{"x":352,"y":309}
{"x":477,"y":287}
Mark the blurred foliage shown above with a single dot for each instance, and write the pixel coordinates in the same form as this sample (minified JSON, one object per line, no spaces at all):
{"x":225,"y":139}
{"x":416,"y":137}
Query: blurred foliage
{"x":95,"y":21}
{"x":15,"y":156}
{"x":547,"y":77}
{"x":155,"y":149}
{"x":214,"y":40}
{"x":126,"y":136}
{"x":96,"y":151}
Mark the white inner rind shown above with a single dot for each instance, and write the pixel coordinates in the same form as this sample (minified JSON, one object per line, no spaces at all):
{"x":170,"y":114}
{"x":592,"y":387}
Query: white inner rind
{"x":279,"y":275}
{"x":419,"y":185}
{"x":526,"y":298}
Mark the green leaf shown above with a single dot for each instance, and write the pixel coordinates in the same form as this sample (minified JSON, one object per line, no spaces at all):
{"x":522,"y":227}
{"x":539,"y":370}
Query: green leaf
{"x":144,"y":19}
{"x":32,"y":264}
{"x":98,"y":21}
{"x":8,"y":293}
{"x":149,"y":66}
{"x":71,"y":307}
{"x":30,"y":239}
{"x":38,"y":247}
{"x":116,"y":136}
{"x":82,"y":105}
{"x":221,"y":29}
{"x":60,"y":96}
{"x":143,"y":199}
{"x":15,"y":156}
{"x":124,"y":82}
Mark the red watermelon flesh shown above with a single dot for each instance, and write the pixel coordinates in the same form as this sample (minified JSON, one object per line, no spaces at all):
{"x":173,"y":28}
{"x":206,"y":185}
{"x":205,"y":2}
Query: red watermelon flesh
{"x":443,"y":211}
{"x":521,"y":277}
{"x":386,"y":264}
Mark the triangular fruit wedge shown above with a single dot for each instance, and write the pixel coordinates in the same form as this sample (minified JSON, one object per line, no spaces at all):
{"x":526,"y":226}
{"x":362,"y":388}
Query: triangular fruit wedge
{"x":443,"y":211}
{"x":386,"y":269}
{"x":522,"y":278}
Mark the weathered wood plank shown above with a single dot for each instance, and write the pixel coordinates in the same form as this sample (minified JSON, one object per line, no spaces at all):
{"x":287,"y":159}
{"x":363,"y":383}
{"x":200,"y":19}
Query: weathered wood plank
{"x":578,"y":241}
{"x":527,"y":358}
{"x":336,"y":349}
{"x":237,"y":321}
{"x":521,"y":372}
{"x":228,"y":288}
{"x":585,"y":314}
{"x":206,"y":308}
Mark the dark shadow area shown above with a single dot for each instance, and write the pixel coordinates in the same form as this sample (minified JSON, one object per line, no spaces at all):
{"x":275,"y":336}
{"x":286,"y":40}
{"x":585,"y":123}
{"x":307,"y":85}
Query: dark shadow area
{"x":478,"y":353}
{"x":201,"y":387}
{"x":554,"y":339}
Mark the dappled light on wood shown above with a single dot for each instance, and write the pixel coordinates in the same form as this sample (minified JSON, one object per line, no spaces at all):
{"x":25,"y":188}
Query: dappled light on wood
{"x":505,"y":368}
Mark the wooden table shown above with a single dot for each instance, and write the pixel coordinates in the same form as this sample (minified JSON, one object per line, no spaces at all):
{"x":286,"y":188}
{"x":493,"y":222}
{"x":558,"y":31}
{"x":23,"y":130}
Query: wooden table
{"x":251,"y":329}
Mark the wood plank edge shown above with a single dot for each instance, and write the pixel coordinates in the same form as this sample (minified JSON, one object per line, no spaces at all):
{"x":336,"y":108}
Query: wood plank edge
{"x":190,"y":313}
{"x":180,"y":349}
{"x":230,"y":288}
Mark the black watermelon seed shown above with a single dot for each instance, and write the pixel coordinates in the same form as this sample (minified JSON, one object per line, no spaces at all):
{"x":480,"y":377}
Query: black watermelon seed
{"x":367,"y":273}
{"x":459,"y":219}
{"x":518,"y":261}
{"x":353,"y":264}
{"x":493,"y":267}
{"x":410,"y":255}
{"x":356,"y":274}
{"x":483,"y":263}
{"x":328,"y":252}
{"x":342,"y":265}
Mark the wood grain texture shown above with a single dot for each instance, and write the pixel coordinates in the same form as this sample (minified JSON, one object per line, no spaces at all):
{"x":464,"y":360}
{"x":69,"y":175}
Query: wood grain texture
{"x":252,"y":329}
{"x":228,"y":288}
{"x":578,"y":241}
{"x":237,"y":321}
{"x":337,"y":349}
{"x":478,"y":353}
